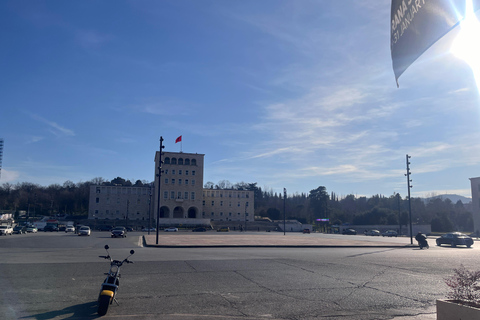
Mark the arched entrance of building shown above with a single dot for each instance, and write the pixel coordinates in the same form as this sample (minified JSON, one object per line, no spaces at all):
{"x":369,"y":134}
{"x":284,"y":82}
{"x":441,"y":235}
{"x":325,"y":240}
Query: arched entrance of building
{"x":178,"y":213}
{"x":192,"y":212}
{"x":164,"y":212}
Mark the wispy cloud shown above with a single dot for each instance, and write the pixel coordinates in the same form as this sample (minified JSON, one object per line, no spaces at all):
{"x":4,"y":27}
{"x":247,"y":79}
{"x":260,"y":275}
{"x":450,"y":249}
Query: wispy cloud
{"x":54,"y":127}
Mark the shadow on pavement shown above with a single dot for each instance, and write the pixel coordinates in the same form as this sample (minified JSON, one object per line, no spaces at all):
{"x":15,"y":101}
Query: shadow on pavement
{"x":79,"y":311}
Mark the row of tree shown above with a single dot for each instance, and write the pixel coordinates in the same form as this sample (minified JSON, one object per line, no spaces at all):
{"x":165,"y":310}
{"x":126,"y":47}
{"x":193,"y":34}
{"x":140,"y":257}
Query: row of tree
{"x":72,"y":198}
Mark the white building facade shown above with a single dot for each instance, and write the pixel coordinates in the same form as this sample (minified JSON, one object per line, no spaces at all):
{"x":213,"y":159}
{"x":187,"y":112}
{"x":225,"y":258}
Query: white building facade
{"x":179,"y":190}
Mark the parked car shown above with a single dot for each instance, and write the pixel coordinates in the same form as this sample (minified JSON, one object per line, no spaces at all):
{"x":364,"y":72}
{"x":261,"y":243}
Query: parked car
{"x":19,"y":229}
{"x":105,"y":228}
{"x":390,"y":233}
{"x":32,"y":229}
{"x":147,"y":229}
{"x":84,"y":231}
{"x":306,"y":231}
{"x":455,"y":239}
{"x":349,"y":231}
{"x":69,"y":228}
{"x":50,"y":227}
{"x":373,"y":233}
{"x":199,"y":229}
{"x":171,"y":229}
{"x":223,"y":229}
{"x":119,"y":232}
{"x":129,"y":229}
{"x":4,"y":230}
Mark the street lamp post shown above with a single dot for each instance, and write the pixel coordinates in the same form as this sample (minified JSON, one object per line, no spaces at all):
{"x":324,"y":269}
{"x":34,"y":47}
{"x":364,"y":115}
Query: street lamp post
{"x":149,"y":210}
{"x":126,"y":217}
{"x":409,"y":199}
{"x":284,"y":211}
{"x":246,"y":213}
{"x":159,"y":175}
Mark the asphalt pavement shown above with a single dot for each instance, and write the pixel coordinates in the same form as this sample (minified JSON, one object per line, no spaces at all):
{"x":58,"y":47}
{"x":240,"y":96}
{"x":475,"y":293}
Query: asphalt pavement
{"x":237,"y":239}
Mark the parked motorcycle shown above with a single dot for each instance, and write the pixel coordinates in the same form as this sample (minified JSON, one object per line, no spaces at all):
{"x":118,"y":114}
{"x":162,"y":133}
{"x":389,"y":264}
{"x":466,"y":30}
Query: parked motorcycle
{"x":110,"y":286}
{"x":422,"y":240}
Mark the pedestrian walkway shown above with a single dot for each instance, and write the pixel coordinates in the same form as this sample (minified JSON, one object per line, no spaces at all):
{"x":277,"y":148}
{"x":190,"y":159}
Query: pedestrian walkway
{"x":199,"y":240}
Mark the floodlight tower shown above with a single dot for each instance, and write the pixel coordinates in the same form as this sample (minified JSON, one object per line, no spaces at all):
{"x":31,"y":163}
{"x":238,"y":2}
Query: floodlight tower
{"x":1,"y":156}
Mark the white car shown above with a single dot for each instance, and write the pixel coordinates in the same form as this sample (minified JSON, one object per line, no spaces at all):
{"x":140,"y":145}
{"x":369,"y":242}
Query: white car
{"x":84,"y":231}
{"x":4,"y":230}
{"x":373,"y":233}
{"x":171,"y":229}
{"x":69,"y":228}
{"x":32,"y":229}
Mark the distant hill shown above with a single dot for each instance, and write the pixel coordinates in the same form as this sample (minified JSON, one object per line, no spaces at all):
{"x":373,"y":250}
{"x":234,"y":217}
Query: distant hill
{"x":453,"y":197}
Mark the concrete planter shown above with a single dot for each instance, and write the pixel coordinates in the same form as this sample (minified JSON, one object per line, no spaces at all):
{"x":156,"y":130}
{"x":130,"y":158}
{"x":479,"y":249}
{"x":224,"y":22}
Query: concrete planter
{"x":450,"y":309}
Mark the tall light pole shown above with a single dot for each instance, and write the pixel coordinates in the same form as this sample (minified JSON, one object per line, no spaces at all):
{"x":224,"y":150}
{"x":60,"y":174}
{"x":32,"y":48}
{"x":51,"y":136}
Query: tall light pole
{"x":284,"y":211}
{"x":149,"y":209}
{"x":159,"y":175}
{"x":409,"y":199}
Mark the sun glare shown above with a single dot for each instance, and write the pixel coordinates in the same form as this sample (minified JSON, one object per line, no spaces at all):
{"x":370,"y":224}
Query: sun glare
{"x":466,"y":45}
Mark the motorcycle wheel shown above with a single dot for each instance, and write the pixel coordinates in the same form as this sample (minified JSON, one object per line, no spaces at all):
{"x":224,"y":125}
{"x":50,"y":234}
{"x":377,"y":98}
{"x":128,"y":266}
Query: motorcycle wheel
{"x":103,"y":303}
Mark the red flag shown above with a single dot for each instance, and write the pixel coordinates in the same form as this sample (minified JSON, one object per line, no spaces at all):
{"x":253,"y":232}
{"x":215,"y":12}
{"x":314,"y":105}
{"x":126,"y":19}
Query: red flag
{"x":178,"y":139}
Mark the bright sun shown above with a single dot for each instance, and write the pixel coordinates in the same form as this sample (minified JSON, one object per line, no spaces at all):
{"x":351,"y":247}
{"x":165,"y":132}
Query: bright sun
{"x":466,"y":45}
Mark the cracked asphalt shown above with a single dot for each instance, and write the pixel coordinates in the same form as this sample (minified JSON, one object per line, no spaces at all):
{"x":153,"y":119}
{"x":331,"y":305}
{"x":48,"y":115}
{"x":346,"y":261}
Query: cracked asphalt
{"x":57,"y":276}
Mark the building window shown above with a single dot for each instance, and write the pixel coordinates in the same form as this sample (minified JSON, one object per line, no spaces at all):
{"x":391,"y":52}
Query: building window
{"x":179,"y":195}
{"x":221,"y":203}
{"x":173,"y":171}
{"x":186,"y":181}
{"x":97,"y":200}
{"x":192,"y":196}
{"x":186,"y":195}
{"x":174,"y":160}
{"x":172,"y":195}
{"x":180,"y":161}
{"x":194,"y":162}
{"x":187,"y":162}
{"x":167,"y":160}
{"x":179,"y":171}
{"x":193,"y":182}
{"x":173,"y":181}
{"x":203,"y":203}
{"x":166,"y":181}
{"x":98,"y":189}
{"x":179,"y":181}
{"x":186,"y":172}
{"x":238,"y":204}
{"x":193,"y":172}
{"x":165,"y":195}
{"x":213,"y":203}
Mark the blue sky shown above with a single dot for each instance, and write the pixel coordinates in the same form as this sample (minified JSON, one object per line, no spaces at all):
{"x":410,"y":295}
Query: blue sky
{"x":288,"y":94}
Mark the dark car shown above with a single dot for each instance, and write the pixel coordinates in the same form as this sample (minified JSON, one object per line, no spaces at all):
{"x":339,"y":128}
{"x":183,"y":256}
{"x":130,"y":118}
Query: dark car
{"x":306,"y":231}
{"x":455,"y":239}
{"x":105,"y":228}
{"x":119,"y":232}
{"x":20,"y":229}
{"x":349,"y":231}
{"x":50,"y":227}
{"x":129,"y":229}
{"x":199,"y":229}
